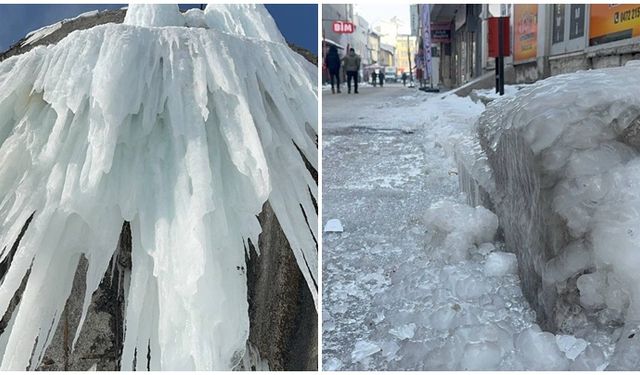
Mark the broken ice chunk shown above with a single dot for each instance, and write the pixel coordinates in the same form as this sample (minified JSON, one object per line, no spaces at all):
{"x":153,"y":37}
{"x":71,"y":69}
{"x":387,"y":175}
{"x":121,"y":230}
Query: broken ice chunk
{"x":590,"y":359}
{"x":389,"y":349}
{"x":379,"y":318}
{"x":404,"y":332}
{"x":332,"y":364}
{"x":592,"y":287}
{"x":481,"y":356}
{"x":571,"y":346}
{"x":500,"y":263}
{"x":539,"y":351}
{"x":363,"y":349}
{"x":486,"y":248}
{"x":333,"y":225}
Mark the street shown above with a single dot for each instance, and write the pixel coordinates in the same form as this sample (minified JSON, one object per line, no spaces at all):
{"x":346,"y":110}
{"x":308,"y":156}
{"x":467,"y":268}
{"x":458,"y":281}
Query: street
{"x":380,"y":176}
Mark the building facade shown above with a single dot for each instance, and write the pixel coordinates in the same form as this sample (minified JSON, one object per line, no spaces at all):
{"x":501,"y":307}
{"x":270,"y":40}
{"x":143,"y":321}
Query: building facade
{"x":550,"y":39}
{"x":405,"y":52}
{"x":386,"y":55}
{"x":332,"y":13}
{"x":374,"y":46}
{"x":360,"y":39}
{"x":458,"y":40}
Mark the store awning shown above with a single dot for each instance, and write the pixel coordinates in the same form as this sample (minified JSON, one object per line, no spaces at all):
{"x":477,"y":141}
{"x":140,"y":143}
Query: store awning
{"x":332,"y":43}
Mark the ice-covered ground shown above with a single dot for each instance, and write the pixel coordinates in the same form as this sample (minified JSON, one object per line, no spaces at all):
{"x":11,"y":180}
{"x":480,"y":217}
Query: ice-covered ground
{"x":182,"y":125}
{"x":415,"y":280}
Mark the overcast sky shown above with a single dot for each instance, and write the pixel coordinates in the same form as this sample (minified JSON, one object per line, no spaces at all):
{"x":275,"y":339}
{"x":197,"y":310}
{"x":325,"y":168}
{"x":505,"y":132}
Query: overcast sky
{"x":297,"y":22}
{"x":374,"y":13}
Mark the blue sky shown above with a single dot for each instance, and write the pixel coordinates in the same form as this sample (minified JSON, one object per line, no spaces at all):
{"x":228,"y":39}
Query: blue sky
{"x":297,"y":22}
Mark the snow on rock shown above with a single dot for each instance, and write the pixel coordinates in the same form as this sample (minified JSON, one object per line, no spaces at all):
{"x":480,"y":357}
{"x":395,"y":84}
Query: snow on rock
{"x":36,"y":35}
{"x":183,"y":132}
{"x":500,"y":263}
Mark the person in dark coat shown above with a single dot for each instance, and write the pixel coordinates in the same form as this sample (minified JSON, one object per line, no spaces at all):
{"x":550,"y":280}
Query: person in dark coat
{"x":404,"y":78}
{"x":381,"y":79}
{"x":333,"y":65}
{"x":374,"y":78}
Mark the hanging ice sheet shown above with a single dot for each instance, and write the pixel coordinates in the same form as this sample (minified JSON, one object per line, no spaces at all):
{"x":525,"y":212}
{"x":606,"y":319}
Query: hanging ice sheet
{"x":183,"y":125}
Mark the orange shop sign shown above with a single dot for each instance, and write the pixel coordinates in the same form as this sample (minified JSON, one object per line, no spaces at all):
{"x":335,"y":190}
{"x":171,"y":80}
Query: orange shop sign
{"x":611,"y":22}
{"x":525,"y":30}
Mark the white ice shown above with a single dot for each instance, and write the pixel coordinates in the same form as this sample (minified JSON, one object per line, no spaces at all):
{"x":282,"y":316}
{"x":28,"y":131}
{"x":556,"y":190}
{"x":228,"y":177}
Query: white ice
{"x":333,"y":225}
{"x":585,"y":150}
{"x":183,"y":132}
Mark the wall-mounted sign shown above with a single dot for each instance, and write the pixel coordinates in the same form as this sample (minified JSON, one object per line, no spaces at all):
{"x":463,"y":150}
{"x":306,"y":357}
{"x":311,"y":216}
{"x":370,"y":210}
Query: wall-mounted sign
{"x":525,"y":43}
{"x":440,"y":32}
{"x":343,"y":27}
{"x":499,"y":25}
{"x":611,"y":22}
{"x":576,"y":19}
{"x":558,"y":23}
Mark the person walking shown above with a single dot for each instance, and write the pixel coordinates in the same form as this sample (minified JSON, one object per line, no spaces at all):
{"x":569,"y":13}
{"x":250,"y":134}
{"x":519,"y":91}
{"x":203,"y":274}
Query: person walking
{"x":374,"y":78}
{"x":404,"y":78}
{"x":381,"y":79}
{"x":333,"y":65}
{"x":351,"y":63}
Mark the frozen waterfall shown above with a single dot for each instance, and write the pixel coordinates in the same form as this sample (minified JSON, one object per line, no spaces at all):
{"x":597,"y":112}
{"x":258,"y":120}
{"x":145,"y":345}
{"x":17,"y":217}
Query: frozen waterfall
{"x":183,"y":125}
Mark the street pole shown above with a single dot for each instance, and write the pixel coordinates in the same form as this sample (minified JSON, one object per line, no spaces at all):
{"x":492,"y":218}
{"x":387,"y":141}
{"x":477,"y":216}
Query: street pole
{"x":409,"y":57}
{"x":500,"y":59}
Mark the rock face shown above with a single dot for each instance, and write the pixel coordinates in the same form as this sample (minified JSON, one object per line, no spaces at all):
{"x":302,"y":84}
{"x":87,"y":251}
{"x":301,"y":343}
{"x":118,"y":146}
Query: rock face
{"x":283,"y":319}
{"x":557,"y":163}
{"x":106,"y":16}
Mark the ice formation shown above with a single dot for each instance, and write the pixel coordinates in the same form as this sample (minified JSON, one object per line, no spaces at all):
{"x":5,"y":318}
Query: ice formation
{"x":465,"y":227}
{"x":333,"y":225}
{"x":564,"y":176}
{"x":185,"y":132}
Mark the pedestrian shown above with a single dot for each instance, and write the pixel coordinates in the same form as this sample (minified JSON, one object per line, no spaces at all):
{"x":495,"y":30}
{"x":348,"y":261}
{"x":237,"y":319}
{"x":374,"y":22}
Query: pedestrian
{"x":351,"y":64}
{"x":404,"y":78}
{"x":419,"y":76}
{"x":381,"y":79}
{"x":333,"y":65}
{"x":374,"y":78}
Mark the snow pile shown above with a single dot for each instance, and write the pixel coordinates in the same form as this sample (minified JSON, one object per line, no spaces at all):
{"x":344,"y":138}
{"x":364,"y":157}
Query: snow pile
{"x":584,"y":147}
{"x":183,"y":132}
{"x":464,"y":227}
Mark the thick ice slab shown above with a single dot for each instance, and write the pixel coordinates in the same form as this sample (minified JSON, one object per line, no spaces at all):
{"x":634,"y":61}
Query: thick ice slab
{"x":564,"y":163}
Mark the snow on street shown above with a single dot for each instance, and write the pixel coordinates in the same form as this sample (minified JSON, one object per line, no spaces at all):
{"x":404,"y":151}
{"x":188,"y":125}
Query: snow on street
{"x":401,"y":289}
